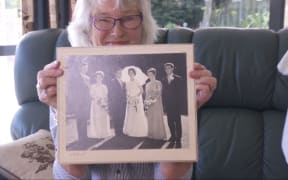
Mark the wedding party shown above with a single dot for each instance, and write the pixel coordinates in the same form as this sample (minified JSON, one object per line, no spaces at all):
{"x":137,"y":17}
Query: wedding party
{"x":127,"y":105}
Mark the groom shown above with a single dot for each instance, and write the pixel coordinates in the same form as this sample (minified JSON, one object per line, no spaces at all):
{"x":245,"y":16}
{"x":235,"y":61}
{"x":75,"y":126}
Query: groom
{"x":172,"y":89}
{"x":80,"y":106}
{"x":117,"y":102}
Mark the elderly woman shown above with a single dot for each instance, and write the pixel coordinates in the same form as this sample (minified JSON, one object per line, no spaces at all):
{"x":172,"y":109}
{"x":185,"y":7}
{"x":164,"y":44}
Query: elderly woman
{"x":105,"y":23}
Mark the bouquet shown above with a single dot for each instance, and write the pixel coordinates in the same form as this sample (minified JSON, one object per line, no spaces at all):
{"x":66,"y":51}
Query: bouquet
{"x":148,"y":102}
{"x":102,"y":102}
{"x":133,"y":101}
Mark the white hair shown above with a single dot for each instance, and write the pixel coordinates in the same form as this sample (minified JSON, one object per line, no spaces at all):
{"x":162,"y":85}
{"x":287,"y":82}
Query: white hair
{"x":80,"y":26}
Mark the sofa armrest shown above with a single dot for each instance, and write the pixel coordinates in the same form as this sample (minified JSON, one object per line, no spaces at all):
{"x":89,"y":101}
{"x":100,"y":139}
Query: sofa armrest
{"x":29,"y":118}
{"x":35,"y":50}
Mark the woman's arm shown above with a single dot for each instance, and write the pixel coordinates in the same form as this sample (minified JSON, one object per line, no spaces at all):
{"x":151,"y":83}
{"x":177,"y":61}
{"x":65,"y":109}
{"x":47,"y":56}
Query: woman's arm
{"x":86,"y":80}
{"x":78,"y":171}
{"x":141,"y":90}
{"x":158,"y":91}
{"x":64,"y":172}
{"x":173,"y":170}
{"x":105,"y":89}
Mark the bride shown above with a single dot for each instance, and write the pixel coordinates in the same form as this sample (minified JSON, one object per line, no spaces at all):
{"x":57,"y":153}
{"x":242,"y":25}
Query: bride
{"x":135,"y":123}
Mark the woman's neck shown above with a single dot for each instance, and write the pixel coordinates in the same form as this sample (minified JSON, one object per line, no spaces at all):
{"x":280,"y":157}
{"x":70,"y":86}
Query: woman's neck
{"x":153,"y":79}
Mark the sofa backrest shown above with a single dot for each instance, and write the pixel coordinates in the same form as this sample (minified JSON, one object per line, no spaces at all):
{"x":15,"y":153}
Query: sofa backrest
{"x":244,"y":62}
{"x":227,"y":52}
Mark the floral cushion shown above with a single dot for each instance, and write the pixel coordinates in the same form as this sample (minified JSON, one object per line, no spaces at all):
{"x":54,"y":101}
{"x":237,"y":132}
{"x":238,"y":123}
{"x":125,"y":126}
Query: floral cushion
{"x":30,"y":157}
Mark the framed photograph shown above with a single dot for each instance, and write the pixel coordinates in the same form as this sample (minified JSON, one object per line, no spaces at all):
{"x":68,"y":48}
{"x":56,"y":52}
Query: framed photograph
{"x":126,"y":104}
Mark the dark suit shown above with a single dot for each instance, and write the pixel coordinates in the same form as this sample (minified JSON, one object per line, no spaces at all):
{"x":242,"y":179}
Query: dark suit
{"x":117,"y":105}
{"x":81,"y":102}
{"x":172,"y":106}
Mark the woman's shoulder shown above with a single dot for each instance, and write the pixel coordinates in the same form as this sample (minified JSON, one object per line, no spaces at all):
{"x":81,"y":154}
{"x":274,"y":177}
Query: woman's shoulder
{"x":103,"y":86}
{"x":135,"y":82}
{"x":176,"y":76}
{"x":92,"y":86}
{"x":158,"y":82}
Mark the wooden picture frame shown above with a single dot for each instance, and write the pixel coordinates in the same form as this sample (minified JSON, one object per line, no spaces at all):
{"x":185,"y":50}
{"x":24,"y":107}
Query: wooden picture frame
{"x":90,"y":109}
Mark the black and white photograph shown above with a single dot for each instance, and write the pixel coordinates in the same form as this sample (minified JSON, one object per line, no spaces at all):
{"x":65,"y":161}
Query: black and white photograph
{"x":135,"y":102}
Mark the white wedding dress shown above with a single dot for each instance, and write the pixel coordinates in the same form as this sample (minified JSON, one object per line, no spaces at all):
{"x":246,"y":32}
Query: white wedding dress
{"x":99,"y":123}
{"x":135,"y":123}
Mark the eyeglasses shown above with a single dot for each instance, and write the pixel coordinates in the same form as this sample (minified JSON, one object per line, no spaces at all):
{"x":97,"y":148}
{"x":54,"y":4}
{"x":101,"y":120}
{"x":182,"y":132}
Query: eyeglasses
{"x":107,"y":23}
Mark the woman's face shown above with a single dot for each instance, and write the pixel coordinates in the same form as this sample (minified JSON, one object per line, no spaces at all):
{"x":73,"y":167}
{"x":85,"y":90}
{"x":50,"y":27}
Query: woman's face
{"x":169,"y":70}
{"x":84,"y":68}
{"x":131,"y":74}
{"x":117,"y":35}
{"x":150,"y":75}
{"x":99,"y":78}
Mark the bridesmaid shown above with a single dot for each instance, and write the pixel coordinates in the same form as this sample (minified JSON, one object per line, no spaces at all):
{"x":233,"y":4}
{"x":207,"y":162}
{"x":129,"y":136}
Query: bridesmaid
{"x":99,"y":123}
{"x":154,"y":107}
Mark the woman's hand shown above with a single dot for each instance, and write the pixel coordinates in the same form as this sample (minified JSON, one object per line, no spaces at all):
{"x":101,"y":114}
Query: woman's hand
{"x":76,"y":170}
{"x":175,"y":170}
{"x":205,"y":83}
{"x":46,"y":83}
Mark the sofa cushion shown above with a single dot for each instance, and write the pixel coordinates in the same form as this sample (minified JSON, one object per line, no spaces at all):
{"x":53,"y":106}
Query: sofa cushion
{"x":243,"y":62}
{"x":28,"y":158}
{"x":274,"y":165}
{"x":230,"y":144}
{"x":23,"y":124}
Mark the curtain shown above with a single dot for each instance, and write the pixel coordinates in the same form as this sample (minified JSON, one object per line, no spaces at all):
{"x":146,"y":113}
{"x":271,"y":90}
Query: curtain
{"x":53,"y":14}
{"x":27,"y":16}
{"x":43,"y":14}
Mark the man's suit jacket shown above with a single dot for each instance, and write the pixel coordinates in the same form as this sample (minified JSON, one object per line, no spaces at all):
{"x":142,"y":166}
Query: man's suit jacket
{"x":83,"y":102}
{"x":172,"y":93}
{"x":117,"y":98}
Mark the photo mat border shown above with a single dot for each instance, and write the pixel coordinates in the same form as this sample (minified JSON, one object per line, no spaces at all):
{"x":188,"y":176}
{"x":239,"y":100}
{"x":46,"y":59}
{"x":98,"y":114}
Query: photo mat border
{"x":189,"y":154}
